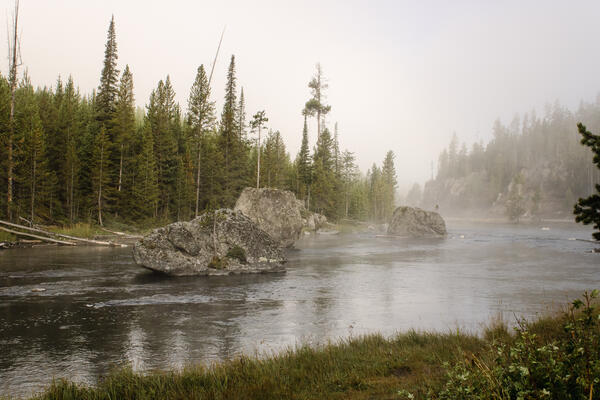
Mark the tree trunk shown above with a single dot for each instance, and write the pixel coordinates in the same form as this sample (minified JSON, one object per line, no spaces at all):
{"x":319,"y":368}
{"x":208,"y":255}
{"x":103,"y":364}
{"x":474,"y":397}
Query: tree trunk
{"x":258,"y":163}
{"x":33,"y":189}
{"x":12,"y":51}
{"x":198,"y":177}
{"x":71,"y":195}
{"x":121,"y":168}
{"x":100,"y":185}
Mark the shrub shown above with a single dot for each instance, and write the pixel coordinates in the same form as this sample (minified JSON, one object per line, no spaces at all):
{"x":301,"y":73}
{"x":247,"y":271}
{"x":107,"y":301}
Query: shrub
{"x":237,"y":253}
{"x":567,"y":367}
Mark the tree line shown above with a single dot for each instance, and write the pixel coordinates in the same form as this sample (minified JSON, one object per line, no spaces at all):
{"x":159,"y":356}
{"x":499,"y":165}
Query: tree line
{"x":533,"y":166}
{"x":96,"y":157}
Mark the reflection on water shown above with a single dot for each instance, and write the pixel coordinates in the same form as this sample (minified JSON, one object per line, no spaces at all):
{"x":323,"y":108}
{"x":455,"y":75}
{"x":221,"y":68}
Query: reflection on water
{"x":99,"y":310}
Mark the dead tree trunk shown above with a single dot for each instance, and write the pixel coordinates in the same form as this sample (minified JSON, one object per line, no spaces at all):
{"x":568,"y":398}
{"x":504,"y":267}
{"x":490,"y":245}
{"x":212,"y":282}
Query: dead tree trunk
{"x":13,"y":50}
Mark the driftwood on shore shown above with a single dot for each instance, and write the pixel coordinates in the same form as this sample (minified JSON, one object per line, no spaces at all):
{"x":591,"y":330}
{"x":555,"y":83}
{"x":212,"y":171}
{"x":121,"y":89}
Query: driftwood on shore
{"x":123,"y":234}
{"x":52,"y":240}
{"x":46,"y":239}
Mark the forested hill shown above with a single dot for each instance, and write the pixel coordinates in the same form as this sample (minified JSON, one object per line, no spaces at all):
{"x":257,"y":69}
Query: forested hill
{"x":534,"y":167}
{"x":67,"y":157}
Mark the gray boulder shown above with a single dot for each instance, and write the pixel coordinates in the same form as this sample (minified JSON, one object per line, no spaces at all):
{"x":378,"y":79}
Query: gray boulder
{"x":314,"y":221}
{"x":415,"y":222}
{"x":216,"y":243}
{"x":275,"y":211}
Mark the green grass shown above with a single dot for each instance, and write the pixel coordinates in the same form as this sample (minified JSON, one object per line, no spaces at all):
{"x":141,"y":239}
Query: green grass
{"x":7,"y":237}
{"x":83,"y":230}
{"x":357,"y":368}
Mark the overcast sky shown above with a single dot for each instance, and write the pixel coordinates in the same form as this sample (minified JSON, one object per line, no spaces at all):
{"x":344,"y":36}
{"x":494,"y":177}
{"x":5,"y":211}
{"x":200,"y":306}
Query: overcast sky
{"x":403,"y":75}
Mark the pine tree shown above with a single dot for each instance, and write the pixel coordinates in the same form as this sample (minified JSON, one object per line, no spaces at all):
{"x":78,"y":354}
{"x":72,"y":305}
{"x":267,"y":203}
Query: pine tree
{"x":34,"y":177}
{"x":162,"y":116}
{"x":323,"y":186}
{"x":100,"y":178}
{"x":146,"y":190}
{"x":70,"y":125}
{"x":587,"y":211}
{"x":337,"y":161}
{"x":315,"y":106}
{"x":304,"y":166}
{"x":124,"y":122}
{"x":388,"y":173}
{"x":241,"y":116}
{"x":276,"y":161}
{"x":109,"y":79}
{"x":348,"y":175}
{"x":234,"y":148}
{"x":200,"y":119}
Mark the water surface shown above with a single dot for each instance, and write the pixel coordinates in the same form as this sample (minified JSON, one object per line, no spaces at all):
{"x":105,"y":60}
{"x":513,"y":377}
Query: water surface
{"x":100,"y":310}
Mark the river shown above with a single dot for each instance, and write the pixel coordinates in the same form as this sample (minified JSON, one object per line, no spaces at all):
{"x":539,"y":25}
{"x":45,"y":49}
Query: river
{"x":99,"y":310}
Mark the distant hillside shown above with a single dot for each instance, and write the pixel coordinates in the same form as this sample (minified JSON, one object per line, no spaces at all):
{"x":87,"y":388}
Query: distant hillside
{"x":533,"y":168}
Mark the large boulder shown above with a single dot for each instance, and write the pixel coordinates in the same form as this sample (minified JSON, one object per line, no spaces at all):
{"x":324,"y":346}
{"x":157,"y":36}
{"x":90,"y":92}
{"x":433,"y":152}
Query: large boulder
{"x":275,"y":211}
{"x":411,"y":221}
{"x":215,"y":243}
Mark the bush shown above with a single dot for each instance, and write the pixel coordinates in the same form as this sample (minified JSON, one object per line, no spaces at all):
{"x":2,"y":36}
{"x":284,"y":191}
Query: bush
{"x":567,"y":367}
{"x":237,"y":253}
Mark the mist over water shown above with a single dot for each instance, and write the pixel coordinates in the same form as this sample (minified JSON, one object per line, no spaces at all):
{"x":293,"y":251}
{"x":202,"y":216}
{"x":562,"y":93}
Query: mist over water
{"x":100,"y":310}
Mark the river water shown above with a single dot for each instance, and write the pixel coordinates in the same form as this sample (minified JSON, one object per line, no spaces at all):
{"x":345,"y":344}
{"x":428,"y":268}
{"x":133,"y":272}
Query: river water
{"x":99,"y":310}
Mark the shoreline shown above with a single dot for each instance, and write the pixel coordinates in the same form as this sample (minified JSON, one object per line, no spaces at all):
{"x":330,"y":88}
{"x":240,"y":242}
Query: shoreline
{"x":408,"y":365}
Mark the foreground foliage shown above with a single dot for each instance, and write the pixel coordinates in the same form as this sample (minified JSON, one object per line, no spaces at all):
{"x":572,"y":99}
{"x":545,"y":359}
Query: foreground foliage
{"x":535,"y":365}
{"x":554,"y":358}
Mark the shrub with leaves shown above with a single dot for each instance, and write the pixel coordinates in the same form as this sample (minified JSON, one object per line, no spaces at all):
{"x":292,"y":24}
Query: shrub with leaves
{"x":528,"y":367}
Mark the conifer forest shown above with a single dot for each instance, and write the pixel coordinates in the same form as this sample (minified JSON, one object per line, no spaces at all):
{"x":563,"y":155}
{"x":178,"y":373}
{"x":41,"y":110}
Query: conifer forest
{"x":70,"y":157}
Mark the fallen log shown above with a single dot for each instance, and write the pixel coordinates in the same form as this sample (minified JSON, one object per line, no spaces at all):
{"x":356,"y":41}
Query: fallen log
{"x":96,"y":242}
{"x":46,"y":239}
{"x":127,"y":235}
{"x":589,"y":241}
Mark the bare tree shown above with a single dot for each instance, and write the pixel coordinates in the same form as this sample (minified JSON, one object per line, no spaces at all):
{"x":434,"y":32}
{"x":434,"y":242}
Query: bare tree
{"x":14,"y":54}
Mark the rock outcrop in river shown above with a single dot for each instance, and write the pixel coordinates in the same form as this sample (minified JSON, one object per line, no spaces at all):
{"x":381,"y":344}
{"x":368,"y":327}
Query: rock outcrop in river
{"x":415,"y":222}
{"x":275,"y":211}
{"x":216,"y":243}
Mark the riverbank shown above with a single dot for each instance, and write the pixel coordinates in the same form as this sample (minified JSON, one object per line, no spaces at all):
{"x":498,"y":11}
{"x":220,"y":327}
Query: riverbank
{"x":87,"y":233}
{"x":554,"y":357}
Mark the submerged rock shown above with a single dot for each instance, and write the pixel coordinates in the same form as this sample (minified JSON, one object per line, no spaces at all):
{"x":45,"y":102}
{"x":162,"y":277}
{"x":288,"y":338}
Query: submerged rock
{"x":415,"y":222}
{"x":216,"y":243}
{"x":276,"y":211}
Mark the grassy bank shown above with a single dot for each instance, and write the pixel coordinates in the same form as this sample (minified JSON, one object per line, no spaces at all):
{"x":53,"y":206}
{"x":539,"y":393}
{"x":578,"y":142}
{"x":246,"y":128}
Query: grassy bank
{"x":555,"y":357}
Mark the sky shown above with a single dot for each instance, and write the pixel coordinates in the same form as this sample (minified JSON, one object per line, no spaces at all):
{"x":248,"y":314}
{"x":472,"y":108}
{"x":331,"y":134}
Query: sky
{"x":402,"y":75}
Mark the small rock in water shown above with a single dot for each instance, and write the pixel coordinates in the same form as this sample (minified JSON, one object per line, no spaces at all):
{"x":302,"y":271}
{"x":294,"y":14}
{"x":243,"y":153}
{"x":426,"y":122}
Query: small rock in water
{"x":545,"y":228}
{"x":39,"y":289}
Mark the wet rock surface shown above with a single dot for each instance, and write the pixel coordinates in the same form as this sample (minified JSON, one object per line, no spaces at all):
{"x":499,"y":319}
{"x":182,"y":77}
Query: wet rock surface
{"x":215,"y":243}
{"x":415,"y":222}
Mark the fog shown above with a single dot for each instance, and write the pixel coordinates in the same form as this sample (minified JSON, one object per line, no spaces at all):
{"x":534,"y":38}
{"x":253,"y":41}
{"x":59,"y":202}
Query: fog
{"x":402,"y":75}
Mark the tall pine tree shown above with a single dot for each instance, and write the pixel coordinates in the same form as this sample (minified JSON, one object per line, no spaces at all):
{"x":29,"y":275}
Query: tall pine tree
{"x":200,"y":119}
{"x":108,"y":90}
